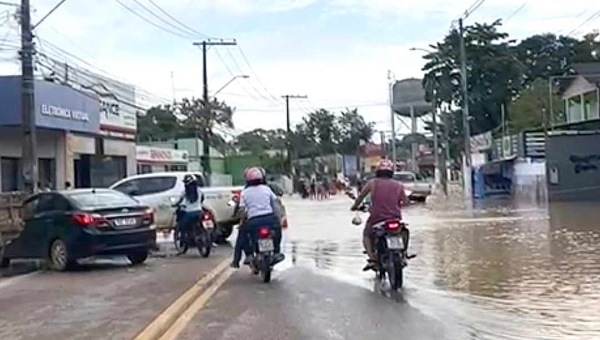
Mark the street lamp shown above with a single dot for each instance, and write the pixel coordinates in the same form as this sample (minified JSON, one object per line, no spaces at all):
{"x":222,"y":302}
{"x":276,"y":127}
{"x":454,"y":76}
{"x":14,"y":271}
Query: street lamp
{"x":243,"y":76}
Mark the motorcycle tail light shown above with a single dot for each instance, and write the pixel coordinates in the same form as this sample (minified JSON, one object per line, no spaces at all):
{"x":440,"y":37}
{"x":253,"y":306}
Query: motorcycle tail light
{"x":206,"y":216}
{"x":392,"y":226}
{"x":264,"y":232}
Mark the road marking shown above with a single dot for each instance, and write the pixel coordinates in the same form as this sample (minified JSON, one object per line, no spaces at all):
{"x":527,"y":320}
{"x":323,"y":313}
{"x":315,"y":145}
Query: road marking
{"x":167,"y":318}
{"x":13,"y":280}
{"x":185,"y":318}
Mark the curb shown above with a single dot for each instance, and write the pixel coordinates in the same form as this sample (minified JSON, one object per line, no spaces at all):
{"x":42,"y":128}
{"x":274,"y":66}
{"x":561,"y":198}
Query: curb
{"x":161,"y":324}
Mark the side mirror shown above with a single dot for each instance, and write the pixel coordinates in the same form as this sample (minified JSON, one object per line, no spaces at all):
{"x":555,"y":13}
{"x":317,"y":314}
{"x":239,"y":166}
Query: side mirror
{"x":231,"y":203}
{"x":202,"y":198}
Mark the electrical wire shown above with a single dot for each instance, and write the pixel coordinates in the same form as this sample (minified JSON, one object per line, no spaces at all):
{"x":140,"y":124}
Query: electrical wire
{"x":233,"y":75}
{"x":590,"y":19}
{"x":251,"y":85}
{"x":255,"y":75}
{"x":134,"y":12}
{"x":190,"y":29}
{"x":516,"y":12}
{"x":165,"y":21}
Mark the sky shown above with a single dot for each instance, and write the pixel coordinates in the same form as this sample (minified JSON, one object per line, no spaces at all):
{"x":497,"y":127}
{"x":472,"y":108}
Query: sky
{"x":336,"y":52}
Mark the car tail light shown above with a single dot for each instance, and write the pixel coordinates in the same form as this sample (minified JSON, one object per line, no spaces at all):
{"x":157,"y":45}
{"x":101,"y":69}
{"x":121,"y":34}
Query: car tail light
{"x":392,"y":225}
{"x":236,"y":195}
{"x":206,"y":216}
{"x":264,"y":232}
{"x":85,"y":219}
{"x":148,"y":216}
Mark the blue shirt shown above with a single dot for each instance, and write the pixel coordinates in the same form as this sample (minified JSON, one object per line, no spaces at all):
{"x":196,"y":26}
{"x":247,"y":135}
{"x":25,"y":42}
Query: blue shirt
{"x":257,"y":201}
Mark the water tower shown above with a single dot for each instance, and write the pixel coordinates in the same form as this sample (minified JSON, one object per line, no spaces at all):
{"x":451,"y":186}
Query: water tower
{"x":408,"y":100}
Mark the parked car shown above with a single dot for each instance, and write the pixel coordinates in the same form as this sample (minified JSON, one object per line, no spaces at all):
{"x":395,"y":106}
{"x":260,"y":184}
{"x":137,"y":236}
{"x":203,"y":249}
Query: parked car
{"x":69,"y":225}
{"x":417,"y":190}
{"x":161,"y":190}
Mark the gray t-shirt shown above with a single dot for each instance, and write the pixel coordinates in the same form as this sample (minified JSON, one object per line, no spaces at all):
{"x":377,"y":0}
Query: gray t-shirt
{"x":257,"y":200}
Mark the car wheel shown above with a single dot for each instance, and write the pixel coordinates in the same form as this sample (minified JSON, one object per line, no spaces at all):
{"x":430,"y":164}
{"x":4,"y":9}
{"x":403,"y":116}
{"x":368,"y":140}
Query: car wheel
{"x":138,"y":257}
{"x":59,"y":257}
{"x":225,"y":231}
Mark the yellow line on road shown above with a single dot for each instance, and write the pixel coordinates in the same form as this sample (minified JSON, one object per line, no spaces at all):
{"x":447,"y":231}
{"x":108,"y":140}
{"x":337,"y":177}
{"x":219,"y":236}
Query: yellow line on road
{"x":167,"y":318}
{"x":185,"y":318}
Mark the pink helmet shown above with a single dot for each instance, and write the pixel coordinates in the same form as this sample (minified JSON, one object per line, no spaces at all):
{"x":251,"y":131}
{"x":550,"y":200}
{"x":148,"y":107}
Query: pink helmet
{"x":254,"y":174}
{"x":385,"y":165}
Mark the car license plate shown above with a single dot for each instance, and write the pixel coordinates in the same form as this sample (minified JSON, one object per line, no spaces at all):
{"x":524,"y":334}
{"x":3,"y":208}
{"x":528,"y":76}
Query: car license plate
{"x":265,"y":245}
{"x":394,"y":242}
{"x":208,"y":224}
{"x":125,"y":222}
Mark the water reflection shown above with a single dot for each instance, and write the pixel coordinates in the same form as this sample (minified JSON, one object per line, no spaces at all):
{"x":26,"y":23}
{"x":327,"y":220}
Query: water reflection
{"x":504,"y":271}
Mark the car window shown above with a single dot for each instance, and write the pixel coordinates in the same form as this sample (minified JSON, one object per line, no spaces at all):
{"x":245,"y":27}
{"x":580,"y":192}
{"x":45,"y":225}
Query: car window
{"x":29,"y":208}
{"x":154,"y":185}
{"x":128,"y":187}
{"x":101,"y":199}
{"x":404,"y":177}
{"x":45,"y":204}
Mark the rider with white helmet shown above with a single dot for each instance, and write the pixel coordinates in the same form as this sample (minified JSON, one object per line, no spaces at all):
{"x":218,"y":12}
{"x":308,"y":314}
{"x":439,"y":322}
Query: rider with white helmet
{"x":258,"y":205}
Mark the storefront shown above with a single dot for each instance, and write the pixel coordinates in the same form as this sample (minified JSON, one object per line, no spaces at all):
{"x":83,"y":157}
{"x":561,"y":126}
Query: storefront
{"x":115,"y":156}
{"x":151,"y":159}
{"x":68,"y":124}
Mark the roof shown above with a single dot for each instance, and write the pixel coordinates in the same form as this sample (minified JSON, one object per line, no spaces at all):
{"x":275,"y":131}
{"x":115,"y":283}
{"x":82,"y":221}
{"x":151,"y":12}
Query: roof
{"x":589,"y":71}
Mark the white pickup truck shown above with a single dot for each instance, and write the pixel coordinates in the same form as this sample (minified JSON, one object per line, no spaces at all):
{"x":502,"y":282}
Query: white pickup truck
{"x":418,"y":190}
{"x":161,"y":190}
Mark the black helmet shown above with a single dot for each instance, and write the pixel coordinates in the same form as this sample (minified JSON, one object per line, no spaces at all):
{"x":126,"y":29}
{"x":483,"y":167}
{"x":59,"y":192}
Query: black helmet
{"x":188,"y":179}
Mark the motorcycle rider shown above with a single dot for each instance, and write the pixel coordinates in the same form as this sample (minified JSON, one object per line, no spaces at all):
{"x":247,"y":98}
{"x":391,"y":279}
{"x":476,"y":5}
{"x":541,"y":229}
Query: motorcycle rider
{"x":191,"y":204}
{"x":258,"y":205}
{"x":387,"y":197}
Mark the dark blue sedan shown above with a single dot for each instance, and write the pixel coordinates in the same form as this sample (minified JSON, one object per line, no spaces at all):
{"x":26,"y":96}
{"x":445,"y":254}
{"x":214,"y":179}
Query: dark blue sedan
{"x":65,"y":226}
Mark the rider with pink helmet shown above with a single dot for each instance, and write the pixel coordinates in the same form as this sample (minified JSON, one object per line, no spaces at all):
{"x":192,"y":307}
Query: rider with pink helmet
{"x":387,"y":197}
{"x":258,"y":205}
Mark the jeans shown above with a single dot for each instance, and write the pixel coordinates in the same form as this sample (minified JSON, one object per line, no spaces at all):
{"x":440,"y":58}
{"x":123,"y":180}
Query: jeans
{"x":186,"y":220}
{"x":248,"y":232}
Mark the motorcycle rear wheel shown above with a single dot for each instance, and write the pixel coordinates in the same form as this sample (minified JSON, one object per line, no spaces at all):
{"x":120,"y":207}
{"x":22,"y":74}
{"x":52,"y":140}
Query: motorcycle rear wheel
{"x":265,"y":269}
{"x":395,"y":272}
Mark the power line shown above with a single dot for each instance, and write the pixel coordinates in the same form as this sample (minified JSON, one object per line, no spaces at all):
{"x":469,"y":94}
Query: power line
{"x":233,"y":75}
{"x":516,"y":12}
{"x":251,"y":85}
{"x":132,"y":11}
{"x":177,"y":21}
{"x":591,"y":18}
{"x":178,"y":29}
{"x":254,"y":73}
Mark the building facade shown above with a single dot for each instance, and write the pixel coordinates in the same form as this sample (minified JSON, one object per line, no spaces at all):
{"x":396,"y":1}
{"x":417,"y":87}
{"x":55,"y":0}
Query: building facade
{"x":153,"y":159}
{"x":67,"y":126}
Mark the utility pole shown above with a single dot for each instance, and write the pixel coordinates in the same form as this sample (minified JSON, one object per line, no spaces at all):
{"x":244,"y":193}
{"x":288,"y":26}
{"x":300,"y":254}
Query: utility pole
{"x":436,"y":154}
{"x":289,"y":129}
{"x":446,"y":157}
{"x":392,"y":118}
{"x":383,"y":148}
{"x":205,"y":142}
{"x":29,"y":153}
{"x":465,"y":109}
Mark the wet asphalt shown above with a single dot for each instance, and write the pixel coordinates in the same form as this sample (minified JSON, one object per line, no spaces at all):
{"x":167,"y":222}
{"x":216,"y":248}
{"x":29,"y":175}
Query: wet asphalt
{"x":497,"y":270}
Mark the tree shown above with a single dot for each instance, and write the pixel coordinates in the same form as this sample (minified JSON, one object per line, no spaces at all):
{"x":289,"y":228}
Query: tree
{"x":530,"y":107}
{"x":156,"y":123}
{"x":353,"y":129}
{"x":259,"y":140}
{"x":322,"y":125}
{"x":493,"y":73}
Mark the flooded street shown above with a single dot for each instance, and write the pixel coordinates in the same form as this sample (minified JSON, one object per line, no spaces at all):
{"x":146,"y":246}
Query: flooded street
{"x":495,"y":272}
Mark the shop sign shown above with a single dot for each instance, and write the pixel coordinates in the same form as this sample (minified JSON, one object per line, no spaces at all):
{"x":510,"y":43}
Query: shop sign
{"x":61,"y":112}
{"x":481,"y":142}
{"x":161,"y":155}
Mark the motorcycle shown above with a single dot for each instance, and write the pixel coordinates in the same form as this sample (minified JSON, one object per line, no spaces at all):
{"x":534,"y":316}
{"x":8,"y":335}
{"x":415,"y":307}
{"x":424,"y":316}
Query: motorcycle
{"x":390,"y":240}
{"x":264,"y":251}
{"x":199,"y":236}
{"x":390,"y":246}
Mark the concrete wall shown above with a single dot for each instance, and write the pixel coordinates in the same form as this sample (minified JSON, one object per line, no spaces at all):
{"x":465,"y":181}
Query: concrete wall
{"x":573,"y":166}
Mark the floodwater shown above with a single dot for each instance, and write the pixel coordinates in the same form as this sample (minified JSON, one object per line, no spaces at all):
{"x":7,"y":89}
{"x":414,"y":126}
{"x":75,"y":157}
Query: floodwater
{"x":497,"y":271}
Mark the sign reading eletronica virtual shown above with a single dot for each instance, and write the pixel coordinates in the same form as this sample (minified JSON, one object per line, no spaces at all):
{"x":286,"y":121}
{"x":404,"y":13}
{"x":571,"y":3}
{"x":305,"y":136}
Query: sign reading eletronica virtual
{"x":61,"y":112}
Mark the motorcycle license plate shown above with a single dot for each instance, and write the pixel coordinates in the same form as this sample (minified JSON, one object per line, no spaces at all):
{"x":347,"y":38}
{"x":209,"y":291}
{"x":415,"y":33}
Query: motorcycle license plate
{"x":394,"y":242}
{"x":208,"y":224}
{"x":265,"y":245}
